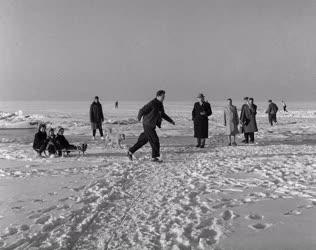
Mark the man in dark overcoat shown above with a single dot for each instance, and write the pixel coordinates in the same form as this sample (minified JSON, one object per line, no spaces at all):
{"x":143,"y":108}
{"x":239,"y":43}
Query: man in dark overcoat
{"x":200,"y":113}
{"x":248,"y":120}
{"x":96,"y":117}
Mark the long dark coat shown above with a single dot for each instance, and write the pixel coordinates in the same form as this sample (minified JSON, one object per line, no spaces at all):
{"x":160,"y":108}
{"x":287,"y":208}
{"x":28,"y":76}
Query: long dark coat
{"x":248,"y":118}
{"x":201,"y":121}
{"x":96,"y":115}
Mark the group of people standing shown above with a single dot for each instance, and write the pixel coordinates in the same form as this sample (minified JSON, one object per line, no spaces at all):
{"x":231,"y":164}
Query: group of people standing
{"x":153,"y":113}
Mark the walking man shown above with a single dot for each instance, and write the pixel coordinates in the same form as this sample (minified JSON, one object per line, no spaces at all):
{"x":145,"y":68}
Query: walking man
{"x":152,"y":114}
{"x":96,"y":117}
{"x":272,"y":112}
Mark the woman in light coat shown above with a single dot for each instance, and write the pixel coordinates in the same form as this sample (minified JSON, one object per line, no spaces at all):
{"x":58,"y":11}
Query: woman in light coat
{"x":231,"y":122}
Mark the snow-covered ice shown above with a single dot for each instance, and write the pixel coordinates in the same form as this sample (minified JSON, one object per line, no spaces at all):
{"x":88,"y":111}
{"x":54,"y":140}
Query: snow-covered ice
{"x":195,"y":199}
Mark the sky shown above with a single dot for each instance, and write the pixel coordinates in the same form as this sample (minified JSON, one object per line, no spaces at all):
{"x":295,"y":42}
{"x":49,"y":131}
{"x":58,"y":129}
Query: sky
{"x":129,"y":49}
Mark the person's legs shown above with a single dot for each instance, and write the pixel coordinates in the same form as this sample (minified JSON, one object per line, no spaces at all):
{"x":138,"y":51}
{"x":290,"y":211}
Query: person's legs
{"x":270,"y":120}
{"x":246,"y":137}
{"x":100,"y":129}
{"x":202,"y":142}
{"x":142,"y":140}
{"x":153,"y":139}
{"x":198,"y":142}
{"x":94,"y":132}
{"x":252,"y":137}
{"x":230,"y":140}
{"x":275,"y":118}
{"x":234,"y":141}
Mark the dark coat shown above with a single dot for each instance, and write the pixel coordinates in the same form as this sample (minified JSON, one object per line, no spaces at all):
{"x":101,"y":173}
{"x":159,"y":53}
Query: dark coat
{"x":51,"y":144}
{"x":272,"y":109}
{"x":201,"y":121}
{"x":96,"y":115}
{"x":153,"y":113}
{"x":248,"y":118}
{"x":40,"y":140}
{"x":61,"y":142}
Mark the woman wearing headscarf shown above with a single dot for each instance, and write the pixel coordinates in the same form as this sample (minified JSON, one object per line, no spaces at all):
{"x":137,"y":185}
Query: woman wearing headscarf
{"x":201,"y":111}
{"x":231,"y":122}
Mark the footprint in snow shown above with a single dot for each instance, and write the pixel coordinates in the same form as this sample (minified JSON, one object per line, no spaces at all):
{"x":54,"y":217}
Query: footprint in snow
{"x":24,"y":227}
{"x":228,"y":215}
{"x":10,"y":231}
{"x":254,"y":217}
{"x":260,"y":226}
{"x":17,"y":208}
{"x":38,"y":200}
{"x":43,"y":219}
{"x":293,"y":212}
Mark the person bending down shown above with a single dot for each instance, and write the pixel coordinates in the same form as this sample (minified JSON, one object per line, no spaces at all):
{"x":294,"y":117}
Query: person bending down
{"x":152,"y":115}
{"x":63,"y":144}
{"x":40,"y":140}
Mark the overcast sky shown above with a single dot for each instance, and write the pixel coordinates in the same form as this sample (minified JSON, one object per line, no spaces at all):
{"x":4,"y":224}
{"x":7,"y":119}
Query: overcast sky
{"x":126,"y":50}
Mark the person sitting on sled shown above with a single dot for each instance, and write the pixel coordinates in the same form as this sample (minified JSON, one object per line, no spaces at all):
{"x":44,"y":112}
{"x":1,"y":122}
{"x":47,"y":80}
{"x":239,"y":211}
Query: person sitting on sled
{"x":64,"y":145}
{"x":40,"y":140}
{"x":51,"y":143}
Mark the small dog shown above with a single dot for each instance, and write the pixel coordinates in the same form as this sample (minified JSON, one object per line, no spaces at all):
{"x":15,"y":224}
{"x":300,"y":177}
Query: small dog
{"x":114,"y":139}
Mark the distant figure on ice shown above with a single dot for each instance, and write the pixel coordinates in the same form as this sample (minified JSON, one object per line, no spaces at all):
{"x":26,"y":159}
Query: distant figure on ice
{"x":231,"y":122}
{"x":201,"y":111}
{"x":116,"y":104}
{"x":272,"y":112}
{"x":248,"y":120}
{"x":284,"y":106}
{"x":96,"y":117}
{"x":40,"y":140}
{"x":64,"y":145}
{"x":152,"y":114}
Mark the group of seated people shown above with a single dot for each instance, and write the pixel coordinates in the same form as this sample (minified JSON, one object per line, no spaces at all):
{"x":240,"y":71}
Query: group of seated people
{"x":53,"y":144}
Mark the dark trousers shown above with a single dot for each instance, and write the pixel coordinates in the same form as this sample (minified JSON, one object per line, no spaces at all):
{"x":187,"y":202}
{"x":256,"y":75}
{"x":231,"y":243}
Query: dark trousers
{"x":41,"y":149}
{"x":149,"y":135}
{"x":51,"y":149}
{"x":250,"y":136}
{"x":94,"y":131}
{"x":201,"y":141}
{"x":272,"y":119}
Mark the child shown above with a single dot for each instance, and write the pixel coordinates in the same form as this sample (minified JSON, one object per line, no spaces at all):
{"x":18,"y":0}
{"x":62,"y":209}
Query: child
{"x":63,"y":144}
{"x":40,"y":140}
{"x":51,"y":143}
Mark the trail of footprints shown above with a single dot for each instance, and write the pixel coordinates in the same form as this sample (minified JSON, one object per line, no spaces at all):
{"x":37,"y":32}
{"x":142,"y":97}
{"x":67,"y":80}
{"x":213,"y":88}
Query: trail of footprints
{"x":139,"y":205}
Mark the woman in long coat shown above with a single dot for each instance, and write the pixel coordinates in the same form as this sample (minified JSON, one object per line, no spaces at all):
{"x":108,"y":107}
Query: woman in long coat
{"x":201,"y":111}
{"x":231,"y":122}
{"x":96,"y":117}
{"x":248,"y":120}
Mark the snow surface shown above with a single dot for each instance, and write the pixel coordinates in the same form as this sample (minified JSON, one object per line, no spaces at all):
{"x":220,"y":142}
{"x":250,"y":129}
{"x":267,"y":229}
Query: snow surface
{"x":190,"y":201}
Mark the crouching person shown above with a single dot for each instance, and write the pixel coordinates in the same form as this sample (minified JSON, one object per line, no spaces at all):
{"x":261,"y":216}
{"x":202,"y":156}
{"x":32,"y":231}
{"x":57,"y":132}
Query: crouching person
{"x":40,"y":140}
{"x":63,"y":144}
